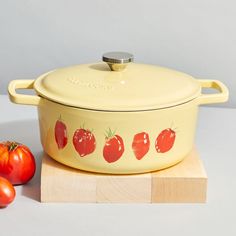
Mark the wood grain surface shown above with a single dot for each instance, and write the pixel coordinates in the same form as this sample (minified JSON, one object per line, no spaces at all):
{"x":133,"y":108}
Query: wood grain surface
{"x":185,"y":182}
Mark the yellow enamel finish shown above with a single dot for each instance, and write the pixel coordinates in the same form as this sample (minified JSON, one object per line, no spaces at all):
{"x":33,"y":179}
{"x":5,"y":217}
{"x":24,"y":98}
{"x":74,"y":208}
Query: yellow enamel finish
{"x":181,"y":119}
{"x":15,"y":97}
{"x":22,"y":98}
{"x":222,"y":96}
{"x":139,"y":87}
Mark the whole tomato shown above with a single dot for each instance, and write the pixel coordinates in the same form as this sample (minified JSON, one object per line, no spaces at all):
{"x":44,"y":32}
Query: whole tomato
{"x":7,"y":192}
{"x":60,"y":131}
{"x":140,"y":145}
{"x":17,"y":163}
{"x":84,"y":142}
{"x":113,"y":148}
{"x":165,"y":140}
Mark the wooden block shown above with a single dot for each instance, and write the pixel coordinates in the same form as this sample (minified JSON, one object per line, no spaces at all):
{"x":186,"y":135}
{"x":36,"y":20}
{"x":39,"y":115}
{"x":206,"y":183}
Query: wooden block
{"x":184,"y":182}
{"x":126,"y":188}
{"x":60,"y":183}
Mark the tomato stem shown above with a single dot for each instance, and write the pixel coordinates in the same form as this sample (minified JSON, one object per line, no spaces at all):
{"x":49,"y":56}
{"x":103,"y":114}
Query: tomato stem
{"x":82,"y":126}
{"x":110,"y":133}
{"x":12,"y":146}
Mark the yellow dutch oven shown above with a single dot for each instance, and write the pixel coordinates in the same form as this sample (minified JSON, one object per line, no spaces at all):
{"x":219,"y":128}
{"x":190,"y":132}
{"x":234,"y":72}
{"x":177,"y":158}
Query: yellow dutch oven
{"x":115,"y":116}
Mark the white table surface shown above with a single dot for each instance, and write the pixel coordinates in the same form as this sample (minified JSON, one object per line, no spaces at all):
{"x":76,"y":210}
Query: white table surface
{"x":216,"y":143}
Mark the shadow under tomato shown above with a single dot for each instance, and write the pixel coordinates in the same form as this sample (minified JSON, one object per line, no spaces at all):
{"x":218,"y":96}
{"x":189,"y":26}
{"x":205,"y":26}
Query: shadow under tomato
{"x":32,"y":188}
{"x":26,"y":132}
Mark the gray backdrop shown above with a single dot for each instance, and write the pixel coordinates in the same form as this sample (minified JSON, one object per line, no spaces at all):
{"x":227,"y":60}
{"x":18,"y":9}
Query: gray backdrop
{"x":194,"y":36}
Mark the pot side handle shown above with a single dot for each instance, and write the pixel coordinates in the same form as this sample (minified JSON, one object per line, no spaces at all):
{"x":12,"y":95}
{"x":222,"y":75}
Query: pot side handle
{"x":22,"y":98}
{"x":220,"y":97}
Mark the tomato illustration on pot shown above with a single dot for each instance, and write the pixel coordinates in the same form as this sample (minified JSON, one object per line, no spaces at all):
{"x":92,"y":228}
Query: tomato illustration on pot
{"x":84,"y":141}
{"x":140,"y":145}
{"x":60,"y":132}
{"x":165,"y":140}
{"x":113,"y":148}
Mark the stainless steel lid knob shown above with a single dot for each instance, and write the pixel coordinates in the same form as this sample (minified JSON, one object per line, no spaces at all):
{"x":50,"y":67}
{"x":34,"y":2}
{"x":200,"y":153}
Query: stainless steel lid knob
{"x":117,"y":61}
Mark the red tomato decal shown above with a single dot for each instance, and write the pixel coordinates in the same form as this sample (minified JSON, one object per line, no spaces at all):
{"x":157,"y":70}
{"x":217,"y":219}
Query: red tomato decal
{"x":84,"y":142}
{"x":140,"y":145}
{"x":114,"y":147}
{"x":60,"y":132}
{"x":165,"y":140}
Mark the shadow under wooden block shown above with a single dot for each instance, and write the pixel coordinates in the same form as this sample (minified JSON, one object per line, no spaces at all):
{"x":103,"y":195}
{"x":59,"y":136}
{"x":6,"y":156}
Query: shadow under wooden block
{"x":184,"y":182}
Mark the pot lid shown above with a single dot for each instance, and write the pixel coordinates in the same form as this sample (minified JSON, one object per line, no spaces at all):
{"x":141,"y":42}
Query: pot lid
{"x":117,"y":85}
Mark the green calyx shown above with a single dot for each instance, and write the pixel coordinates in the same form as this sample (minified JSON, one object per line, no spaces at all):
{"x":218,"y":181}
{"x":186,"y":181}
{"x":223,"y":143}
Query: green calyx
{"x":12,"y":145}
{"x":60,"y":118}
{"x":83,"y":127}
{"x":109,"y":133}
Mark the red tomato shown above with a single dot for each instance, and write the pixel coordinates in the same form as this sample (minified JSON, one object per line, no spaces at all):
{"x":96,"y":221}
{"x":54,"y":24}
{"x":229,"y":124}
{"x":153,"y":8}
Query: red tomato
{"x":140,"y":145}
{"x":114,"y":147}
{"x":7,"y":192}
{"x":84,"y":142}
{"x":60,"y":134}
{"x":165,"y":140}
{"x":17,"y":163}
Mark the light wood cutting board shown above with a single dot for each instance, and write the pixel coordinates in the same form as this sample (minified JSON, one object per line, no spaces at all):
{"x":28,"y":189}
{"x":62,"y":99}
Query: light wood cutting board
{"x":185,"y":182}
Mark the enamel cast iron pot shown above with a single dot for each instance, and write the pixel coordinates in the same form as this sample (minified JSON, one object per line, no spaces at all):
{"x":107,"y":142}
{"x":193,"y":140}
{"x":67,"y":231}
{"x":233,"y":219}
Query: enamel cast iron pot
{"x":115,"y":116}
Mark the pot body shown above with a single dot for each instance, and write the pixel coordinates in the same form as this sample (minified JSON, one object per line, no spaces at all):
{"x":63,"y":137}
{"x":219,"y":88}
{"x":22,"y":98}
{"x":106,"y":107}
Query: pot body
{"x":137,"y":141}
{"x":173,"y":126}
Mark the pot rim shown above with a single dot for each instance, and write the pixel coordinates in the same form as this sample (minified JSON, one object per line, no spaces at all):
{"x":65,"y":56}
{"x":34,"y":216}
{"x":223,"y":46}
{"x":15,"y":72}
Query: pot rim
{"x":36,"y":100}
